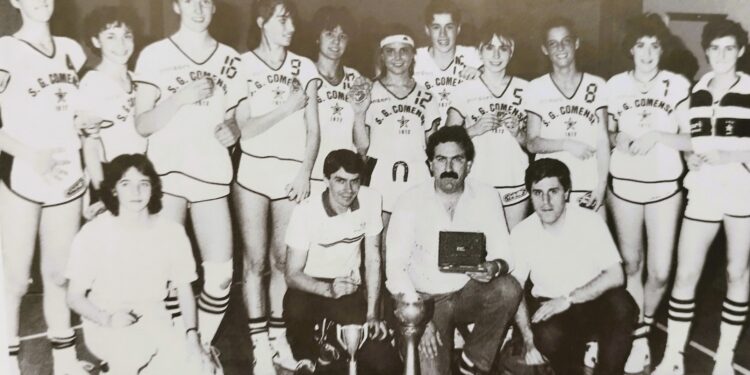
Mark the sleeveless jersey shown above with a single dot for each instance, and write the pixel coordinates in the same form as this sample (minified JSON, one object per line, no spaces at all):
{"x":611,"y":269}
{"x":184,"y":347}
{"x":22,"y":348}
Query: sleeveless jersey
{"x":638,"y":113}
{"x":571,"y":117}
{"x":720,"y":124}
{"x":268,"y":88}
{"x":398,"y":125}
{"x":104,"y":97}
{"x":500,"y":161}
{"x":187,"y":143}
{"x":336,"y":118}
{"x":442,"y":82}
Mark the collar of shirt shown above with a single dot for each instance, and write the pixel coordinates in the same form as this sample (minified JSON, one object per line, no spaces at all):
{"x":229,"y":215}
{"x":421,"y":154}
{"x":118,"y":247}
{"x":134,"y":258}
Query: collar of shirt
{"x":329,"y":209}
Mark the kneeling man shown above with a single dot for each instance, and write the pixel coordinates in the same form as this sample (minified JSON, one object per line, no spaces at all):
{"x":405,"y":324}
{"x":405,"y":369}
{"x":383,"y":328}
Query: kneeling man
{"x":578,"y":294}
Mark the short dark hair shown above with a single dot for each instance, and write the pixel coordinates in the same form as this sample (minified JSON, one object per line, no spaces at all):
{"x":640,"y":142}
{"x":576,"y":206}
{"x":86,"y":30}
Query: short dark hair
{"x":442,"y":7}
{"x":456,"y":134}
{"x":106,"y":17}
{"x":499,"y":27}
{"x":113,"y":172}
{"x":328,"y":17}
{"x":716,"y":29}
{"x":266,"y":8}
{"x":547,"y":167}
{"x":557,"y":21}
{"x":646,"y":25}
{"x":347,"y":159}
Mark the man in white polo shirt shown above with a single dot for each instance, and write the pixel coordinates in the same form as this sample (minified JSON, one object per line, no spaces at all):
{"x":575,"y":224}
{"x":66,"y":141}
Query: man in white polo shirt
{"x":489,"y":297}
{"x":573,"y":263}
{"x":323,"y":239}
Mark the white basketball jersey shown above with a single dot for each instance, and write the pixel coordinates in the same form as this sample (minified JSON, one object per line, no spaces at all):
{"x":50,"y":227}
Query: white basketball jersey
{"x":38,"y":92}
{"x":442,"y":82}
{"x":104,"y":97}
{"x":336,"y":118}
{"x":268,"y":88}
{"x":398,"y":125}
{"x":500,"y":161}
{"x":637,"y":113}
{"x":720,"y":123}
{"x":571,"y":117}
{"x":187,"y":143}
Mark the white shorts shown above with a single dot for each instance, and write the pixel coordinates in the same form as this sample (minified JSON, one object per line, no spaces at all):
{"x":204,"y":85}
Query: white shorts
{"x":267,"y":176}
{"x":24,"y":182}
{"x":512,"y":195}
{"x":643,"y":192}
{"x":391,"y":179}
{"x":190,"y":189}
{"x":718,"y":191}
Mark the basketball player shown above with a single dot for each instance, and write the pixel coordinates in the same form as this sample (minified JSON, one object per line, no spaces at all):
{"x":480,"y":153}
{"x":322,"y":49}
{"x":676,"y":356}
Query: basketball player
{"x":42,"y":180}
{"x":401,"y":115}
{"x":491,"y":109}
{"x":718,"y":182}
{"x":342,"y":123}
{"x":568,"y":116}
{"x":444,"y":64}
{"x":649,"y":127}
{"x":108,"y":94}
{"x":280,"y":139}
{"x":189,"y":87}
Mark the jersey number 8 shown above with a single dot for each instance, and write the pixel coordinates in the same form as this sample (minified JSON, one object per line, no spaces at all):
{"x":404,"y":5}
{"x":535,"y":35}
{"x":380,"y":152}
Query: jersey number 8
{"x":590,"y":93}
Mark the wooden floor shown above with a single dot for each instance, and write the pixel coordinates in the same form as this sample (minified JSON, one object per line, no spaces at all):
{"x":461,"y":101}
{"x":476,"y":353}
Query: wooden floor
{"x":234,"y":345}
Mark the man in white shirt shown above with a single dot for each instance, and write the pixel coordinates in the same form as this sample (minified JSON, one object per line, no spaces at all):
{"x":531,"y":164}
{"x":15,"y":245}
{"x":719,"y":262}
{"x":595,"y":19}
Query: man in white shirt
{"x":570,"y":257}
{"x":323,"y":239}
{"x":489,"y":297}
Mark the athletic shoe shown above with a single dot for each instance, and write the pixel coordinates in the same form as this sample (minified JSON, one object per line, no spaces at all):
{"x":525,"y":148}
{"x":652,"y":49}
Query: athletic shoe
{"x":592,"y":351}
{"x":262,"y":358}
{"x":282,"y":354}
{"x":671,"y":365}
{"x":723,"y":365}
{"x":640,"y":357}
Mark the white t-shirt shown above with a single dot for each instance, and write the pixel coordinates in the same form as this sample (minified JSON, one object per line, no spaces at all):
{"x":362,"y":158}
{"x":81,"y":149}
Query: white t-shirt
{"x":570,"y":117}
{"x":336,"y":118}
{"x":187,"y":143}
{"x":638,"y":113}
{"x":124,"y":268}
{"x":398,"y":125}
{"x":268,"y":88}
{"x":558,"y":263}
{"x":500,"y":161}
{"x":105,"y":98}
{"x":442,"y":82}
{"x":333,"y":241}
{"x":38,"y":92}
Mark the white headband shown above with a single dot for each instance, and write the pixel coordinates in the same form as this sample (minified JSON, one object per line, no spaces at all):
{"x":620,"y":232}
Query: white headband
{"x":398,"y":38}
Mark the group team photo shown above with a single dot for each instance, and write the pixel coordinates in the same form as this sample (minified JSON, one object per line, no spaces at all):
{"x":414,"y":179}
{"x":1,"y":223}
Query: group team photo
{"x":427,"y":211}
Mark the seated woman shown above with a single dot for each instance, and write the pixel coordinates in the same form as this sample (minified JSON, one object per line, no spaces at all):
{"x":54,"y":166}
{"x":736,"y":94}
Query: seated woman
{"x":121,"y":263}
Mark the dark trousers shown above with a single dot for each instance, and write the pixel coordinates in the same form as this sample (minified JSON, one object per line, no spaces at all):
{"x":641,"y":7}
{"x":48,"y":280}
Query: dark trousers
{"x":490,"y":306}
{"x":609,"y":319}
{"x":303,"y":311}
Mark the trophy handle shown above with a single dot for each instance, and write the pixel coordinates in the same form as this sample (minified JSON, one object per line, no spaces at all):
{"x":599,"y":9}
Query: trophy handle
{"x":340,"y":336}
{"x":364,"y":336}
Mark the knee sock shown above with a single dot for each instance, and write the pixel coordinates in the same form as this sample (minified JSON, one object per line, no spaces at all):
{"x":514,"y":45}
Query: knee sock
{"x":733,"y":316}
{"x":214,"y":298}
{"x":14,"y":348}
{"x":172,"y":304}
{"x":258,"y":329}
{"x":681,"y":314}
{"x":63,"y":346}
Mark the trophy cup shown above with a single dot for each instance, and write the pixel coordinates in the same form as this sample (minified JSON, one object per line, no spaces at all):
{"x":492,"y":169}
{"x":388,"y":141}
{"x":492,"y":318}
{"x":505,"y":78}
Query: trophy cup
{"x":352,"y":337}
{"x":411,"y":312}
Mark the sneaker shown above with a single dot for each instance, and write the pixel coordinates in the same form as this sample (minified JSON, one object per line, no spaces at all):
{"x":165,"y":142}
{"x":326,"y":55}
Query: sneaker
{"x":640,"y":357}
{"x":262,"y":358}
{"x":671,"y":365}
{"x":592,"y":351}
{"x":282,"y":354}
{"x":723,"y":365}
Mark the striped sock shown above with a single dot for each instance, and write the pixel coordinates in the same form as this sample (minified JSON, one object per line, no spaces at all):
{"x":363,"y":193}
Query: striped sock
{"x":733,"y":316}
{"x":258,"y":328}
{"x":172,"y":303}
{"x":214,"y":298}
{"x":62,"y":342}
{"x":466,"y":366}
{"x":276,"y":328}
{"x":14,"y":346}
{"x":648,"y":320}
{"x":63,"y":349}
{"x":641,"y":331}
{"x":680,"y":317}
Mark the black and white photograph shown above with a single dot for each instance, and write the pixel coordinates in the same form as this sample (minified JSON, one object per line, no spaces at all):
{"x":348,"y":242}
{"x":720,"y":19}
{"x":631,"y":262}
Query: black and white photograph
{"x":359,"y":187}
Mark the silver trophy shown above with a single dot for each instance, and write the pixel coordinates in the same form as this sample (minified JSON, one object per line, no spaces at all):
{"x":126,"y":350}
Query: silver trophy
{"x":352,"y":337}
{"x":411,"y":313}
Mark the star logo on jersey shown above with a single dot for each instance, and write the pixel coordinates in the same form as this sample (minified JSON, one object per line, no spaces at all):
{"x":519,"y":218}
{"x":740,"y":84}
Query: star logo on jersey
{"x":645,"y":115}
{"x":729,"y":127}
{"x":60,"y":94}
{"x":403,"y":124}
{"x":277,"y":93}
{"x":444,"y":94}
{"x":337,"y":109}
{"x":570,"y":129}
